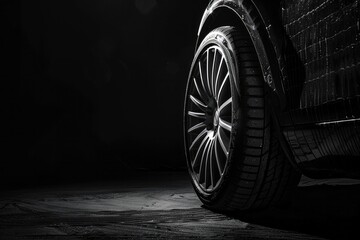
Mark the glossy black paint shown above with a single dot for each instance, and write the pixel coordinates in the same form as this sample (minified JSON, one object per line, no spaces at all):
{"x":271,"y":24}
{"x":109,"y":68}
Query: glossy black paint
{"x":310,"y":57}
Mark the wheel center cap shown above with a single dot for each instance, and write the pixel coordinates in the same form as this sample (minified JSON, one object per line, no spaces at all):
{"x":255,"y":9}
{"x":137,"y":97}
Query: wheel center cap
{"x":211,"y":115}
{"x":216,"y":118}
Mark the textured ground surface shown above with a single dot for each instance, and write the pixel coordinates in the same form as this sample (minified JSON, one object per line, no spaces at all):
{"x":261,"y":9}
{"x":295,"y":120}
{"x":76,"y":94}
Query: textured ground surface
{"x":164,"y":206}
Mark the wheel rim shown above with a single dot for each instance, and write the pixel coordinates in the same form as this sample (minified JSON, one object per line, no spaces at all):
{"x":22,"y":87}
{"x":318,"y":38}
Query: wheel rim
{"x":208,"y":118}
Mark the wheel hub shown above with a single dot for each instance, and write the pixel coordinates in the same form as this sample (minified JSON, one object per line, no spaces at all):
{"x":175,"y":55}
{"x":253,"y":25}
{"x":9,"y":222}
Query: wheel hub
{"x":210,"y":118}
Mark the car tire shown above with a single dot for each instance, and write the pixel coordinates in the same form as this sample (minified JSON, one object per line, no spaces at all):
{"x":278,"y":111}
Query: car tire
{"x":232,"y":149}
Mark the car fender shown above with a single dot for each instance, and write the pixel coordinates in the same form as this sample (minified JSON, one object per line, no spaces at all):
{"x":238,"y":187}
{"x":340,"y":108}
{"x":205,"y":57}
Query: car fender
{"x":267,"y":34}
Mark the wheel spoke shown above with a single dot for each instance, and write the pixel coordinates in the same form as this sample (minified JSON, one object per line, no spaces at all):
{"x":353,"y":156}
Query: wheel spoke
{"x":197,"y":114}
{"x":207,"y":72}
{"x":217,"y":75}
{"x":222,"y":86}
{"x":201,"y":77}
{"x":202,"y":161}
{"x":224,"y":124}
{"x":198,"y":137}
{"x":220,"y":168}
{"x":212,"y":72}
{"x":198,"y":152}
{"x":198,"y":103}
{"x":223,"y":140}
{"x":227,"y":102}
{"x":207,"y":155}
{"x":211,"y":164}
{"x":198,"y":89}
{"x":197,"y":126}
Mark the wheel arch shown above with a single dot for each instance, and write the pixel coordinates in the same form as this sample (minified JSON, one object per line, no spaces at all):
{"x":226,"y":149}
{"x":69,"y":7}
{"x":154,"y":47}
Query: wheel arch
{"x":262,"y":20}
{"x":266,"y":35}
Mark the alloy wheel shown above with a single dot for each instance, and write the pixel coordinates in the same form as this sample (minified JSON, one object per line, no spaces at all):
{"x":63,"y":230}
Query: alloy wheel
{"x":208,"y":118}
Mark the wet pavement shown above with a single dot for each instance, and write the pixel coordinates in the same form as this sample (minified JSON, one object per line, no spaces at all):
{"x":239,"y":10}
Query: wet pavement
{"x":164,"y":206}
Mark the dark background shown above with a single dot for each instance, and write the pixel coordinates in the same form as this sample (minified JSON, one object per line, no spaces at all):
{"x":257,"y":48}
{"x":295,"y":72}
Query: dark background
{"x":93,"y":89}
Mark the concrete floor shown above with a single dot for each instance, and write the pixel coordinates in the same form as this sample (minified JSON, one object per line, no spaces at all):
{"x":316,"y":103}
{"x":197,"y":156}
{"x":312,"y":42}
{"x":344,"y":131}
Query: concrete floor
{"x":164,"y":206}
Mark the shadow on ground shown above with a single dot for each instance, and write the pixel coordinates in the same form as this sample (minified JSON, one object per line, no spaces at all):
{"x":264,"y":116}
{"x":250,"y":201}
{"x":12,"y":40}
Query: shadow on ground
{"x":329,"y":211}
